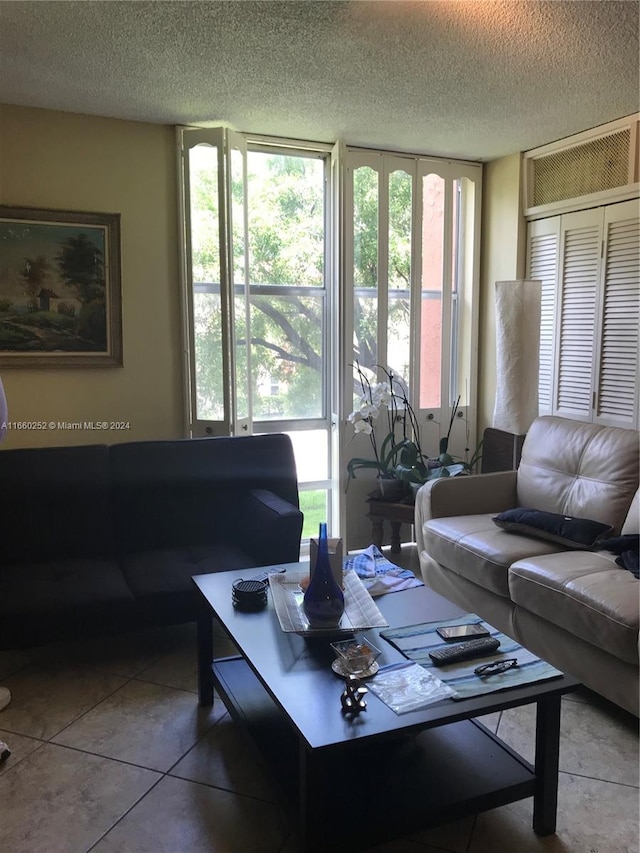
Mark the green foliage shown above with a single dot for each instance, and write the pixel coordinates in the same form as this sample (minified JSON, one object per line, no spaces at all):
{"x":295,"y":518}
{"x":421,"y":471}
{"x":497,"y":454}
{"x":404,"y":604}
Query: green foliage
{"x":208,"y":362}
{"x":398,"y":456}
{"x":286,"y":247}
{"x":92,"y":322}
{"x":5,"y":305}
{"x":82,"y":267}
{"x":365,"y":227}
{"x":401,"y":456}
{"x":286,"y":222}
{"x":447,"y":462}
{"x":366,"y":273}
{"x":11,"y":337}
{"x":48,"y":320}
{"x":314,"y":506}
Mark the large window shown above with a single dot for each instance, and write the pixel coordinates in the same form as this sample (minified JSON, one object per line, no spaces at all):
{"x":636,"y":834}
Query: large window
{"x":411,"y":270}
{"x":282,"y":296}
{"x":258,"y":298}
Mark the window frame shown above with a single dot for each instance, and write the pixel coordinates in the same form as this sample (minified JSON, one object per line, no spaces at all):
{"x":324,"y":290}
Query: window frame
{"x":338,"y":293}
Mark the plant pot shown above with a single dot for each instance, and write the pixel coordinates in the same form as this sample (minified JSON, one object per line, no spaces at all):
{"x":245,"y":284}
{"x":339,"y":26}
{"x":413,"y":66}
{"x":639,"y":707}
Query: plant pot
{"x":391,"y":489}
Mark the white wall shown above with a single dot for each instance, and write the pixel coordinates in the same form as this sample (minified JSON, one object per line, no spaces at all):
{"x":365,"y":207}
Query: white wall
{"x":72,"y":162}
{"x":503,"y":247}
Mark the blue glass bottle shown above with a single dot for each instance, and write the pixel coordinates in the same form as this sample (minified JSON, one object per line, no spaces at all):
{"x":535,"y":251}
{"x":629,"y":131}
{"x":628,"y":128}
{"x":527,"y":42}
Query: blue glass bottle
{"x":323,"y":600}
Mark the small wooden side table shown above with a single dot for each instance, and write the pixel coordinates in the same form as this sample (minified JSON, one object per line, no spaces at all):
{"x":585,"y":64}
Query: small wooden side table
{"x":395,"y":513}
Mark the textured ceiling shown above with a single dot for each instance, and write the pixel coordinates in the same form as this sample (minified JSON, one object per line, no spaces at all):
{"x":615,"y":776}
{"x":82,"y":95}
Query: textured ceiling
{"x":475,"y":79}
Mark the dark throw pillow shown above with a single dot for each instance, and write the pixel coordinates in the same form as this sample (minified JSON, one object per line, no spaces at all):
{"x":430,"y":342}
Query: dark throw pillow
{"x":581,"y":533}
{"x":627,"y":547}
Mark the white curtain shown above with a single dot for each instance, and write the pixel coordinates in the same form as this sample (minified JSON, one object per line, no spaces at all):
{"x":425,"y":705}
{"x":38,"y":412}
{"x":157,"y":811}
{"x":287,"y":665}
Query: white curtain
{"x":517,"y":354}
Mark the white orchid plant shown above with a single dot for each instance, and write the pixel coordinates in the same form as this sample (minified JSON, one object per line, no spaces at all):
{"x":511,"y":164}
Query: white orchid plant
{"x":399,"y":455}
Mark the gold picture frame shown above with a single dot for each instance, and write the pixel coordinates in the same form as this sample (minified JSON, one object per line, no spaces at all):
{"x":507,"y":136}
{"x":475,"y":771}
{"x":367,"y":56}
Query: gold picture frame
{"x":60,"y":288}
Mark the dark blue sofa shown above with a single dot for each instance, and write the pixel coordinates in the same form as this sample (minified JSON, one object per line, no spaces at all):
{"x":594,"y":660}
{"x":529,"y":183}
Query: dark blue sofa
{"x":101,"y":538}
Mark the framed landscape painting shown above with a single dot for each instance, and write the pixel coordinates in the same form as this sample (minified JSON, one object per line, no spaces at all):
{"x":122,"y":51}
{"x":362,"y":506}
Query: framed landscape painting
{"x":60,"y":292}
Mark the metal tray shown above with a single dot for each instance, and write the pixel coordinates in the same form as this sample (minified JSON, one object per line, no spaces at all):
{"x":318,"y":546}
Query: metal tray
{"x":360,"y":610}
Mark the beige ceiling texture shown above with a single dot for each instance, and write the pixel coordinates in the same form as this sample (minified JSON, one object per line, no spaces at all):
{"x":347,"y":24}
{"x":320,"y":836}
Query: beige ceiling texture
{"x":474,"y":80}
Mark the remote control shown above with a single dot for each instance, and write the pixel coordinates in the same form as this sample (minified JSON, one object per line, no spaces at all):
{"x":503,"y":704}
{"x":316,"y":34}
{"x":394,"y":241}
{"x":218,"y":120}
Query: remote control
{"x":464,"y":651}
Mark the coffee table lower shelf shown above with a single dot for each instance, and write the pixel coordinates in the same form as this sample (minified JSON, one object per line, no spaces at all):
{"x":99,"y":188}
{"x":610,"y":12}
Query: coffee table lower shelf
{"x":360,"y":792}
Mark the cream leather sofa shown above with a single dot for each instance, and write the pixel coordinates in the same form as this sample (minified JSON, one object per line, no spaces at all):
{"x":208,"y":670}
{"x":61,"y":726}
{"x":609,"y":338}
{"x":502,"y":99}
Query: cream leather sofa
{"x":575,"y":608}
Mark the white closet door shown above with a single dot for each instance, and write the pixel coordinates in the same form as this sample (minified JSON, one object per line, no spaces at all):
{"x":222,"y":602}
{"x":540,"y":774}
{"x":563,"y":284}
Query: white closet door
{"x":580,"y":268}
{"x":543,"y":258}
{"x":617,"y":352}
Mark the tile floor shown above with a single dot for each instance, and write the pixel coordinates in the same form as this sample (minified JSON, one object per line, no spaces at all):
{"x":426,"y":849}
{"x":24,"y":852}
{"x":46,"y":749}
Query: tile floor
{"x":111,"y":753}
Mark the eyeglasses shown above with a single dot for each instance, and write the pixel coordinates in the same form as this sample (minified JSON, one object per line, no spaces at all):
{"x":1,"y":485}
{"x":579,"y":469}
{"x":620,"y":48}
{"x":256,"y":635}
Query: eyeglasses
{"x":496,"y":667}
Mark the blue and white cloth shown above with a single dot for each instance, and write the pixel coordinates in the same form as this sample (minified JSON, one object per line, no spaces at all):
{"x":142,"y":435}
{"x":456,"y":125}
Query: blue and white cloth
{"x":378,"y":574}
{"x":416,"y":641}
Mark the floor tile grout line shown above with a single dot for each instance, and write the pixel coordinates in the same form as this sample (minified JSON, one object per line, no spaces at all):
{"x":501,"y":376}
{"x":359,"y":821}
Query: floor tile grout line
{"x":105,"y":757}
{"x":89,"y":710}
{"x":474,"y":823}
{"x":599,"y":779}
{"x":19,"y":761}
{"x":163,"y":776}
{"x":213,"y":787}
{"x":161,"y":773}
{"x":193,"y":745}
{"x":128,"y":811}
{"x":168,"y":686}
{"x":139,"y":677}
{"x":128,"y":680}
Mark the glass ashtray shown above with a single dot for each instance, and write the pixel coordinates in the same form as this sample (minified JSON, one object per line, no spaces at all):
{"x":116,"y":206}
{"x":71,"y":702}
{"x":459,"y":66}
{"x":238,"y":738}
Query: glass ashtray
{"x":356,"y":656}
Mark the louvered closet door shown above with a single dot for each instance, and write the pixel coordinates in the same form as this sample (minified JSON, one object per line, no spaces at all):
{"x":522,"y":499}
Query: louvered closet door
{"x":580,"y":268}
{"x":617,"y":354}
{"x":542,"y":257}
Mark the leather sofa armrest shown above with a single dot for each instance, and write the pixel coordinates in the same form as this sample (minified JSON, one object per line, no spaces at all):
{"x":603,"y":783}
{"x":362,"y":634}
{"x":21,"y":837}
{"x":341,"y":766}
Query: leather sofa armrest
{"x":476,"y":494}
{"x":273,"y":528}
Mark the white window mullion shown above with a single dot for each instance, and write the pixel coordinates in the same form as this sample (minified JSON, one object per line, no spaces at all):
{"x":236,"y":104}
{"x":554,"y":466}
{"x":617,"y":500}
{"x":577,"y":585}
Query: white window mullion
{"x":447,"y":278}
{"x":236,"y":286}
{"x":464,"y":341}
{"x":339,"y":284}
{"x":383,"y":265}
{"x":416,"y":290}
{"x":206,"y":290}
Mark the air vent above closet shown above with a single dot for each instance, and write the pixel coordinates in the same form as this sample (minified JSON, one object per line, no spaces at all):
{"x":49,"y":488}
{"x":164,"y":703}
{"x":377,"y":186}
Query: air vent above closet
{"x":589,"y":167}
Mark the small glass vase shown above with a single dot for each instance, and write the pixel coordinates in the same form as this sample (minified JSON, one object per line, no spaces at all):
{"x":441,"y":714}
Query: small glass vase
{"x":324,"y":600}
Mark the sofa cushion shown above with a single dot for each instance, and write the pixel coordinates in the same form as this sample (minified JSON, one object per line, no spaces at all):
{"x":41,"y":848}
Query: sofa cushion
{"x":40,"y":602}
{"x":586,"y":594}
{"x":170,"y":571}
{"x":581,"y":533}
{"x":578,"y":469}
{"x":161,"y":580}
{"x":474,"y":548}
{"x":55,"y":504}
{"x":632,"y":521}
{"x":171,"y":494}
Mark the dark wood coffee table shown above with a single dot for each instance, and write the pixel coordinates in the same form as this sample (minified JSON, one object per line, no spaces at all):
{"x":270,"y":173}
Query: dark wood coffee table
{"x":379,"y":775}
